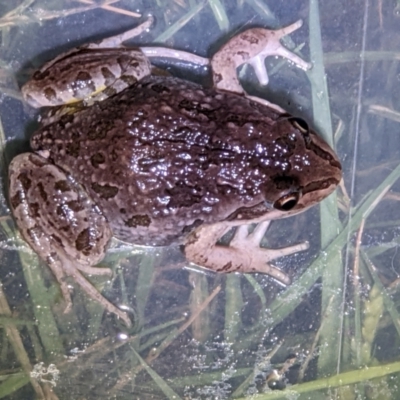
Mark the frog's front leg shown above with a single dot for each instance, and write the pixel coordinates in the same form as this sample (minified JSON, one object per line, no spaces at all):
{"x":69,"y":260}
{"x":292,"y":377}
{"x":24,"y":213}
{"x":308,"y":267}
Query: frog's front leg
{"x":251,"y":47}
{"x":243,"y":253}
{"x":60,"y":222}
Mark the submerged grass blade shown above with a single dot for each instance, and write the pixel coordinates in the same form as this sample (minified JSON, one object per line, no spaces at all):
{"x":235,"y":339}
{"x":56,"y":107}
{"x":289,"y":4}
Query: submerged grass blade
{"x":180,"y":23}
{"x":42,"y":305}
{"x":332,"y":276}
{"x":336,"y":381}
{"x":233,"y":308}
{"x":386,"y":298}
{"x":220,"y":15}
{"x":166,"y":389}
{"x":12,"y":383}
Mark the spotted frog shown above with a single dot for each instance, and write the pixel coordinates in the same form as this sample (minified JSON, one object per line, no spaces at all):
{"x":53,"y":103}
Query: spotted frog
{"x":156,"y":160}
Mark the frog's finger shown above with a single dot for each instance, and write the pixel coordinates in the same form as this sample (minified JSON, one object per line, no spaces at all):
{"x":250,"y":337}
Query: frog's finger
{"x":251,"y":47}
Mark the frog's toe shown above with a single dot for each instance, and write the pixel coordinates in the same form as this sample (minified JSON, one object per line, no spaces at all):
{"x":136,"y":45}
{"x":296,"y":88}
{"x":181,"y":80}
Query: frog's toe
{"x":91,"y":291}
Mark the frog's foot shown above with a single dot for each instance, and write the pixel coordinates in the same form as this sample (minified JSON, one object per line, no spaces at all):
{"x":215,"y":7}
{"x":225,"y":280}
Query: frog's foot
{"x":251,"y":47}
{"x":117,"y":40}
{"x":62,"y":267}
{"x":73,"y":271}
{"x":242,"y":255}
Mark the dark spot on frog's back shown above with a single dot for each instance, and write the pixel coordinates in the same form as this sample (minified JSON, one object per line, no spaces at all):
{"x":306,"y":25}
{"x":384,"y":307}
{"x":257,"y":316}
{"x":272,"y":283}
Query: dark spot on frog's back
{"x":73,"y":149}
{"x":25,"y":180}
{"x":184,"y":196}
{"x":16,"y":200}
{"x":42,"y":191}
{"x":189,"y":105}
{"x":97,"y":159}
{"x":158,"y":88}
{"x":75,"y":205}
{"x":138,"y":220}
{"x":82,"y":242}
{"x":62,"y":186}
{"x":236,"y":119}
{"x":65,"y":120}
{"x":98,"y":130}
{"x":105,"y":191}
{"x":34,"y":208}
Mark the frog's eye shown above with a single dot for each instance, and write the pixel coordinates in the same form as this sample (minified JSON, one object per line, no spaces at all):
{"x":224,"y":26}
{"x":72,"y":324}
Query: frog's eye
{"x":287,"y":202}
{"x":300,"y":124}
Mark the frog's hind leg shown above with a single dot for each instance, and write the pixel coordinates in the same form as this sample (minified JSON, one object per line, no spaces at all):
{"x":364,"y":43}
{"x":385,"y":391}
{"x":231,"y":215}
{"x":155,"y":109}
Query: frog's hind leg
{"x":243,"y":253}
{"x":60,"y":222}
{"x":86,"y":75}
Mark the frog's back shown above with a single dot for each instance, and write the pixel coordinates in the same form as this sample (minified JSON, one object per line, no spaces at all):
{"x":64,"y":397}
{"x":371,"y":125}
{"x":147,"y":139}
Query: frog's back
{"x":166,"y":155}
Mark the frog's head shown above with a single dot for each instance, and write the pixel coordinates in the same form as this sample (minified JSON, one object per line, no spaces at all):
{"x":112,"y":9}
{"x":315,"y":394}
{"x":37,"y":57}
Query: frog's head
{"x":314,"y":172}
{"x":300,"y":171}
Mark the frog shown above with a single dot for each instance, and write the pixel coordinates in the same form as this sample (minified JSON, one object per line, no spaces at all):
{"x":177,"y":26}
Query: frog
{"x":156,"y":160}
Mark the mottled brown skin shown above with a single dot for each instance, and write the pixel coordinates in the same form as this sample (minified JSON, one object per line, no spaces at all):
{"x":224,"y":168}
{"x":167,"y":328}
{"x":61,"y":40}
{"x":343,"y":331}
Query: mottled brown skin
{"x":163,"y":161}
{"x":167,"y":155}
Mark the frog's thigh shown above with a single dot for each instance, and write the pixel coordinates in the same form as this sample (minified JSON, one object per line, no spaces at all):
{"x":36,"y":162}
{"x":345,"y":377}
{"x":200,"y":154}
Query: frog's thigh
{"x":59,"y":221}
{"x":242,"y":255}
{"x":85,"y":75}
